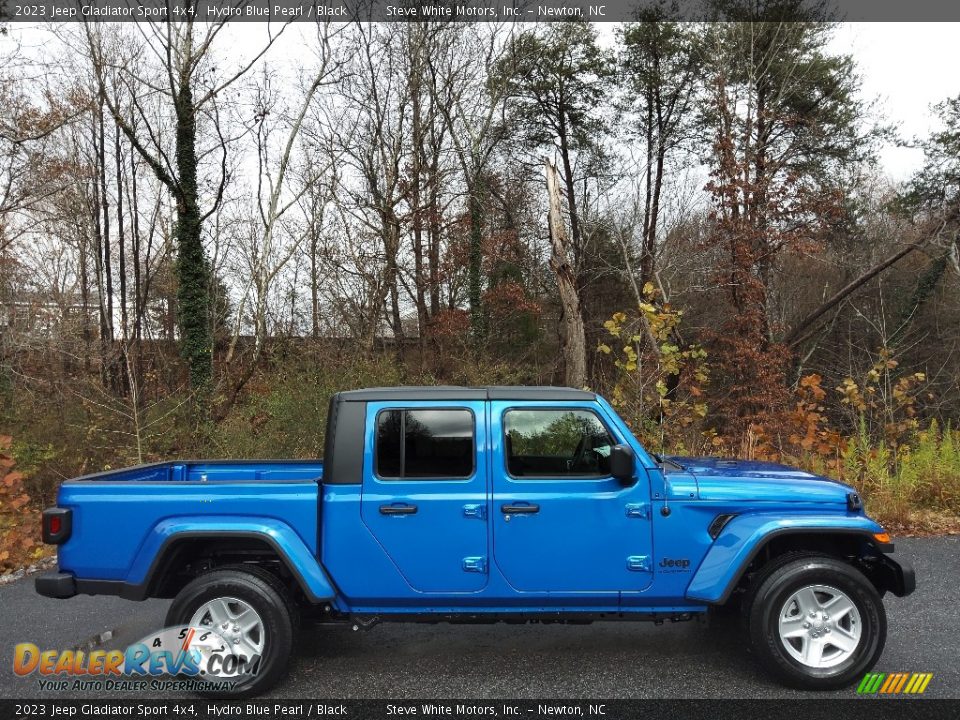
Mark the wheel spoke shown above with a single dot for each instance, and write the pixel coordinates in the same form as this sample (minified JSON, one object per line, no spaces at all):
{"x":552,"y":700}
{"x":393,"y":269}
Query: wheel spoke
{"x":838,"y":606}
{"x":247,"y":619}
{"x":812,"y":652}
{"x":244,"y":648}
{"x":807,"y":601}
{"x":843,"y":640}
{"x":792,"y":626}
{"x":219,"y":611}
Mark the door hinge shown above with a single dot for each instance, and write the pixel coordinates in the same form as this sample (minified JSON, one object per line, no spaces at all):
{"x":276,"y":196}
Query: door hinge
{"x":638,"y":510}
{"x":475,"y":564}
{"x":475,"y":511}
{"x":638,"y":563}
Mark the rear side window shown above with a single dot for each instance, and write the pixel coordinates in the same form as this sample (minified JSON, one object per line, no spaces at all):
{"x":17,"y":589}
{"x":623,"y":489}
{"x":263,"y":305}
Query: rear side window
{"x":424,"y":444}
{"x":556,"y":444}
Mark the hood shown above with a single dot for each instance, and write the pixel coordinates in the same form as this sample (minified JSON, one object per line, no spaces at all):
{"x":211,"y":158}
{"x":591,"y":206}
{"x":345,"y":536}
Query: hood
{"x":740,"y":480}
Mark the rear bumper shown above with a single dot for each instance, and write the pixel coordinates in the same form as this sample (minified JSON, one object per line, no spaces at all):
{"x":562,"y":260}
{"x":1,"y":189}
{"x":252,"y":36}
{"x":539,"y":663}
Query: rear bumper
{"x":56,"y":585}
{"x":62,"y":585}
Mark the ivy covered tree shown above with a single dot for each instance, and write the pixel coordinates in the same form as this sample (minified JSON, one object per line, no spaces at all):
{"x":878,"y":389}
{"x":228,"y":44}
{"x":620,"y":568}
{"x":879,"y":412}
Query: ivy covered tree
{"x":190,"y":88}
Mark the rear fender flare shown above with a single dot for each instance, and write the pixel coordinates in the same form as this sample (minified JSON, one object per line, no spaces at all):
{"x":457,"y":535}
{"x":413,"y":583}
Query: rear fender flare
{"x":744,"y":536}
{"x":302,"y":563}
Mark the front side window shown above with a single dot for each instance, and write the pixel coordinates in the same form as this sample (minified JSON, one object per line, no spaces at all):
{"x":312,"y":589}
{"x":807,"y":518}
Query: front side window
{"x":556,"y":444}
{"x":424,"y":444}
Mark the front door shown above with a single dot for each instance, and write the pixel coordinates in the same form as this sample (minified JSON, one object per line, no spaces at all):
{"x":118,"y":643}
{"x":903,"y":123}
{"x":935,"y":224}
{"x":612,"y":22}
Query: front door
{"x":561,"y":523}
{"x":424,"y":495}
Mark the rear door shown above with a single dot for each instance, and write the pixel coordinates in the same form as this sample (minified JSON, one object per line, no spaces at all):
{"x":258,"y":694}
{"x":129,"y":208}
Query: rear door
{"x":424,"y":495}
{"x":561,"y":523}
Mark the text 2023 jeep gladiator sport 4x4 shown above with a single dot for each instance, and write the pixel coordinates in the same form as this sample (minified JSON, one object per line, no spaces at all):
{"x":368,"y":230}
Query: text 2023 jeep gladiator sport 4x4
{"x":482,"y":504}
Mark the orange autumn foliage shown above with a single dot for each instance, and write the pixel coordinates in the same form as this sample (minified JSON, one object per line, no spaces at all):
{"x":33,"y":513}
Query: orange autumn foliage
{"x":19,"y":521}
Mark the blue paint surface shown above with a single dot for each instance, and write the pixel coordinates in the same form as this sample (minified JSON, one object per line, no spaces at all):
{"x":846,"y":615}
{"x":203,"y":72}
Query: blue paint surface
{"x":593,"y":545}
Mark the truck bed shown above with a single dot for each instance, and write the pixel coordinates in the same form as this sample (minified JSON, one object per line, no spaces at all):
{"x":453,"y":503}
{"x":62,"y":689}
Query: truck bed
{"x":122,"y":518}
{"x":214,"y":471}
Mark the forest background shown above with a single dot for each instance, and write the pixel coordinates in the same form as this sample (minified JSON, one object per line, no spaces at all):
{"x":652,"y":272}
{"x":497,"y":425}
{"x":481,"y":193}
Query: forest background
{"x":204,"y":233}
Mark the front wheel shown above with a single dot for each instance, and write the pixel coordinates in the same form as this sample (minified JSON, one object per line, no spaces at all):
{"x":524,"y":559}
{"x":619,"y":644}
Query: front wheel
{"x":253,"y":615}
{"x":817,"y":623}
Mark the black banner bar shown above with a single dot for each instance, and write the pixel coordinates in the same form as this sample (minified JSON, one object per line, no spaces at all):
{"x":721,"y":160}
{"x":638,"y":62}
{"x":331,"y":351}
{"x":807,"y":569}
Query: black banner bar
{"x":453,"y":10}
{"x":874,"y":708}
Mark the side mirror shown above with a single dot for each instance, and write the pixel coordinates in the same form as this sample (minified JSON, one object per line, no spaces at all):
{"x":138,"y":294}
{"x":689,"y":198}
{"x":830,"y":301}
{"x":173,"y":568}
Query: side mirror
{"x":622,"y":464}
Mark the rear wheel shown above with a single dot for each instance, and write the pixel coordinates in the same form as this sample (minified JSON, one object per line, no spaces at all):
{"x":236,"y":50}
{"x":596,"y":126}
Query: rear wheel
{"x":817,"y":623}
{"x":251,"y":613}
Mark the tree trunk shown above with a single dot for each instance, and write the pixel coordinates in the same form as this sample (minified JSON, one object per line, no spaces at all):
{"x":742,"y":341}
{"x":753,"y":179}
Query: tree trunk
{"x":314,"y":280}
{"x":433,"y":260}
{"x":107,"y":252}
{"x":475,"y":269}
{"x":803,"y":329}
{"x":571,"y":194}
{"x":574,"y":338}
{"x":193,"y":301}
{"x":121,"y":237}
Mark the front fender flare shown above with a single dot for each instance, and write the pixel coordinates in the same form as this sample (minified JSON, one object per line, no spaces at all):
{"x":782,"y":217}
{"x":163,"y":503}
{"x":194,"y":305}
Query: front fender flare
{"x":744,"y":536}
{"x":289,"y":546}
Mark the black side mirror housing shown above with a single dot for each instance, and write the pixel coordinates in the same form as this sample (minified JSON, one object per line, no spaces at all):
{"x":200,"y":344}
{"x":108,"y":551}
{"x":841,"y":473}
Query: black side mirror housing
{"x":623,"y":464}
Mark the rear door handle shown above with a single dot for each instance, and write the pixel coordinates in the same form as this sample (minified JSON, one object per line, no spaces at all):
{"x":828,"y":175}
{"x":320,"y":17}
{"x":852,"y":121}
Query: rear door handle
{"x":520,"y":509}
{"x":398,"y":509}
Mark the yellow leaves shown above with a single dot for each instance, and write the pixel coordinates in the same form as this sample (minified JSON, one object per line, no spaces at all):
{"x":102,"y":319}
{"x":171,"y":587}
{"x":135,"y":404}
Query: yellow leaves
{"x":657,"y":386}
{"x":851,"y":395}
{"x":648,"y":289}
{"x":615,"y":324}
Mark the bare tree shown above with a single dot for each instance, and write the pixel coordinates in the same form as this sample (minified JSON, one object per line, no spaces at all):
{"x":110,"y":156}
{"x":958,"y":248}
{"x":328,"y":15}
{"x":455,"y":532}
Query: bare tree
{"x":190,"y":88}
{"x":574,"y":337}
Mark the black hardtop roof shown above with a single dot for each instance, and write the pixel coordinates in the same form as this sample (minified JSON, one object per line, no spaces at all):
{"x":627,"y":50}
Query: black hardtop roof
{"x":455,"y":392}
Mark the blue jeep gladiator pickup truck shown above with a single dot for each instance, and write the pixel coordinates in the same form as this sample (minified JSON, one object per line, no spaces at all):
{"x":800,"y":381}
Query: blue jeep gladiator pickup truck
{"x":482,"y":504}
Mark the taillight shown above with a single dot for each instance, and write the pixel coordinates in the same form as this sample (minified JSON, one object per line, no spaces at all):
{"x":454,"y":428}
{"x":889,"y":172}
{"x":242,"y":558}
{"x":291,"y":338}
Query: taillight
{"x":57,"y":524}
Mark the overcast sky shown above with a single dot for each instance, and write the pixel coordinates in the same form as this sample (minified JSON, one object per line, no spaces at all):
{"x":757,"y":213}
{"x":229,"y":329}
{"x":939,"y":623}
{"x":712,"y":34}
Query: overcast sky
{"x":908,"y":67}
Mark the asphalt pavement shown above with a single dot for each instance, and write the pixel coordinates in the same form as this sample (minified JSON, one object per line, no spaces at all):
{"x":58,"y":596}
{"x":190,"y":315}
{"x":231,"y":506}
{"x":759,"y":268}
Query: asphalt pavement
{"x":605,"y":660}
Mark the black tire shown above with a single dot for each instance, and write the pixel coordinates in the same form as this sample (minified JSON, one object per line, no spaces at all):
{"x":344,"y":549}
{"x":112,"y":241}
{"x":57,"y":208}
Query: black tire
{"x":760,"y":577}
{"x":268,"y":597}
{"x":772,"y":596}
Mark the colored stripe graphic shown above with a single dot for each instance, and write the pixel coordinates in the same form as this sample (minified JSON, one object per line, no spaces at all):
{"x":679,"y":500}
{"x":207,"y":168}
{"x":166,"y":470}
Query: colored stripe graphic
{"x":894,"y":683}
{"x":875,"y":681}
{"x":890,"y":682}
{"x":901,"y":681}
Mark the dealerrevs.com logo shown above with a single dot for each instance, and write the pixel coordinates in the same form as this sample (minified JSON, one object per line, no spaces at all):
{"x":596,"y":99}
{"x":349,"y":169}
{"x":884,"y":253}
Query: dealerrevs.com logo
{"x":199,"y":657}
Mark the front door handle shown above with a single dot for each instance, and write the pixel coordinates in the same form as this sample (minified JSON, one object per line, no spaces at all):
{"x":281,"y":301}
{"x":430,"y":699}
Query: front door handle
{"x":520,"y":509}
{"x":398,"y":509}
